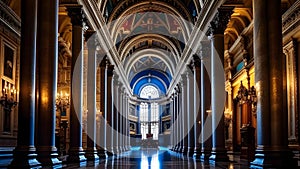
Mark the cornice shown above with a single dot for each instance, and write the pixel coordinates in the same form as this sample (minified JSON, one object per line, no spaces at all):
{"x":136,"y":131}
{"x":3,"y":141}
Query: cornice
{"x":10,"y":19}
{"x":291,"y":19}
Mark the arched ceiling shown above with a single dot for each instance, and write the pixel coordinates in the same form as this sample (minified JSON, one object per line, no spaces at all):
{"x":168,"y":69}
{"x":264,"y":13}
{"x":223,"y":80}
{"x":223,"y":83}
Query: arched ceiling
{"x":150,"y":36}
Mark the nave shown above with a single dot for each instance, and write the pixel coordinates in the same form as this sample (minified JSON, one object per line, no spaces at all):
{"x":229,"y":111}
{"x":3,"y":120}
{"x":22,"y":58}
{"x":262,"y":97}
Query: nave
{"x":163,"y":158}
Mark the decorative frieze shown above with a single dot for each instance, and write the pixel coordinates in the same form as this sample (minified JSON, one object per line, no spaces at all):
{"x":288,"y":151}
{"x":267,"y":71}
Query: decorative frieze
{"x":291,"y":18}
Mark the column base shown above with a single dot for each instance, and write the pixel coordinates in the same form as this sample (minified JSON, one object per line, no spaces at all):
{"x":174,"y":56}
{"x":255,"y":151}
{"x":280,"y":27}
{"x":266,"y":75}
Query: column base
{"x":218,"y":155}
{"x":127,"y":148}
{"x":91,"y":154}
{"x":25,"y":157}
{"x":197,"y":152}
{"x":273,"y":159}
{"x":179,"y":149}
{"x":191,"y":151}
{"x":116,"y":151}
{"x":76,"y":155}
{"x":48,"y":156}
{"x":110,"y":151}
{"x":184,"y":150}
{"x":102,"y":153}
{"x":120,"y":149}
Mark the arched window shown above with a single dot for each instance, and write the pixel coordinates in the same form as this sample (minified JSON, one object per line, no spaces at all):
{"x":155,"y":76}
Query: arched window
{"x":149,"y":117}
{"x":149,"y":92}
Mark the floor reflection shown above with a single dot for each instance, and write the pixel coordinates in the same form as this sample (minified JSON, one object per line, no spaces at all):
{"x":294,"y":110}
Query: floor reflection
{"x":160,"y":159}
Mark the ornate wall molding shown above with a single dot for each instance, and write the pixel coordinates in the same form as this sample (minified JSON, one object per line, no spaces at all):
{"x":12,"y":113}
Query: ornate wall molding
{"x":10,"y":19}
{"x":291,"y":19}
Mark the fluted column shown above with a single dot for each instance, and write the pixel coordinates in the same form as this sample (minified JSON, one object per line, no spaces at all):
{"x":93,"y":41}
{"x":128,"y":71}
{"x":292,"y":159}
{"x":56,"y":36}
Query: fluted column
{"x":184,"y":114}
{"x":206,"y":140}
{"x":272,"y":150}
{"x":47,"y":60}
{"x":113,"y":114}
{"x":76,"y":153}
{"x":196,"y":104}
{"x":218,"y":26}
{"x":91,"y":152}
{"x":25,"y":152}
{"x":190,"y":113}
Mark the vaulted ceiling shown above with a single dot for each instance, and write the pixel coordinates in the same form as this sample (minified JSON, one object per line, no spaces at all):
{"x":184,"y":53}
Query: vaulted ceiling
{"x":151,"y":35}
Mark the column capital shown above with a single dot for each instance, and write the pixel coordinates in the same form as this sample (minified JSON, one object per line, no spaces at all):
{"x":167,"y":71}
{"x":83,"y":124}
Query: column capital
{"x":196,"y":62}
{"x":188,"y":74}
{"x":183,"y":80}
{"x":204,"y":49}
{"x":91,"y":39}
{"x":76,"y":14}
{"x":115,"y":76}
{"x":220,"y":20}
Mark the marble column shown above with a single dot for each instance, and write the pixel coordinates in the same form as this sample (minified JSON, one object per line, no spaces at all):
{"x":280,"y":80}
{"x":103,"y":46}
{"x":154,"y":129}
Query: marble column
{"x":196,"y":104}
{"x":76,"y":153}
{"x":172,"y":121}
{"x":24,"y":155}
{"x":126,"y":123}
{"x":123,"y":117}
{"x":120,"y":114}
{"x":109,"y":108}
{"x":47,"y":60}
{"x":178,"y":131}
{"x":184,"y":114}
{"x":272,"y":145}
{"x":116,"y":116}
{"x":110,"y":119}
{"x":190,"y":112}
{"x":206,"y":132}
{"x":91,"y":151}
{"x":114,"y":121}
{"x":103,"y":102}
{"x":218,"y":26}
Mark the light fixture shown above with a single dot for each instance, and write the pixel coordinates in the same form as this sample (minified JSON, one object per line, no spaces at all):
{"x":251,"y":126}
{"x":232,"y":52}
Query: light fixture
{"x":62,"y":103}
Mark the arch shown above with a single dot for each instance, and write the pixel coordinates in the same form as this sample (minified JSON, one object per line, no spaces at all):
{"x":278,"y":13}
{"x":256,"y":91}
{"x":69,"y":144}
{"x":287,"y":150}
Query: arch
{"x":140,"y":38}
{"x":185,"y":25}
{"x":128,"y":64}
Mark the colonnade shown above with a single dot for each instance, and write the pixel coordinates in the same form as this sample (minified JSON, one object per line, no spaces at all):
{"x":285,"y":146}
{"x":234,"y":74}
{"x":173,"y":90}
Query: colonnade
{"x":36,"y":124}
{"x":38,"y":88}
{"x":272,"y":149}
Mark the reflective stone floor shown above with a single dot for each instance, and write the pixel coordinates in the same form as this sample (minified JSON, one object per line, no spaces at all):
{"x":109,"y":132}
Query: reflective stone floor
{"x":159,"y":159}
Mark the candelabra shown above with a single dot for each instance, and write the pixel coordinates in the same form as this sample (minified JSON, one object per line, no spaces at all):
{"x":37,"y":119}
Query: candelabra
{"x":62,"y":103}
{"x":247,"y":96}
{"x":8,"y":101}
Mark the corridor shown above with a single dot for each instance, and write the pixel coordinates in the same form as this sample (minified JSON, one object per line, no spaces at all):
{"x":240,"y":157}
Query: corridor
{"x":159,"y":159}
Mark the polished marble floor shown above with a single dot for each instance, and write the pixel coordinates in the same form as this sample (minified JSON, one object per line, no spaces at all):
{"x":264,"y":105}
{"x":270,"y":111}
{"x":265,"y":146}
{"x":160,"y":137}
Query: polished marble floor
{"x":159,"y":159}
